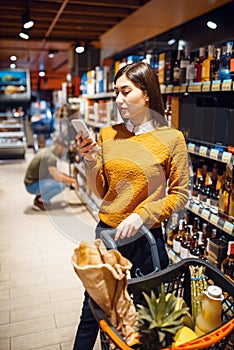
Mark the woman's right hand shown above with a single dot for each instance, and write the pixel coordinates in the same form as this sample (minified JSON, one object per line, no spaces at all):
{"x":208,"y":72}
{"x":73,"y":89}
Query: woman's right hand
{"x":86,"y":147}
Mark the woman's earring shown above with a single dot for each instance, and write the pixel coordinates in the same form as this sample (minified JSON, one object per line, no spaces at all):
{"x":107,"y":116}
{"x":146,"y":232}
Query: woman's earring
{"x":147,"y":98}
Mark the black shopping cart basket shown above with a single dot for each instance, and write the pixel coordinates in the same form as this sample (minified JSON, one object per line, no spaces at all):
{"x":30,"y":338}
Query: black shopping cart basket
{"x":176,"y":279}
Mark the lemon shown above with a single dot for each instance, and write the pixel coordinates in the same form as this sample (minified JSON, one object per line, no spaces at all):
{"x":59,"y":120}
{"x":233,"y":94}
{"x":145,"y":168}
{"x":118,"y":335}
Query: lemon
{"x":183,"y":335}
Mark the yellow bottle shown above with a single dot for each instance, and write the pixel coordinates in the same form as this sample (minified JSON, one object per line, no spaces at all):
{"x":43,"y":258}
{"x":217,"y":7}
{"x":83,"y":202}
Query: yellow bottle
{"x":210,"y":316}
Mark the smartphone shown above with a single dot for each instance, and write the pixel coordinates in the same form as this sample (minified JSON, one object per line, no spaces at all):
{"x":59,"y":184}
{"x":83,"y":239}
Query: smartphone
{"x":80,"y":125}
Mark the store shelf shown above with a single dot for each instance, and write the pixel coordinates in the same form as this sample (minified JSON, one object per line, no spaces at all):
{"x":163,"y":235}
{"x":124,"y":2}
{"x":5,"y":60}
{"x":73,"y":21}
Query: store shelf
{"x":8,"y":134}
{"x":209,"y":214}
{"x":211,"y":153}
{"x":208,"y":86}
{"x":100,"y":95}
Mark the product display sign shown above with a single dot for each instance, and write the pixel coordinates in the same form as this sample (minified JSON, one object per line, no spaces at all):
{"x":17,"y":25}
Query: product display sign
{"x":15,"y":84}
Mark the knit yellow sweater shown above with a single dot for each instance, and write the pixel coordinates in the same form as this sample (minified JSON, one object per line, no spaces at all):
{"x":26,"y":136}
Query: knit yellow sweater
{"x":145,"y":174}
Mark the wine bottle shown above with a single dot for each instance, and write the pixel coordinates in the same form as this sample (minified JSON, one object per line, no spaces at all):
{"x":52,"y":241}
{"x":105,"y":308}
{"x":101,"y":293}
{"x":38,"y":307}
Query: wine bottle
{"x":172,"y":229}
{"x":224,"y":64}
{"x":228,"y":264}
{"x":176,"y":69}
{"x":199,"y":62}
{"x":185,"y":61}
{"x":177,"y":239}
{"x":215,"y":66}
{"x":225,"y":193}
{"x":185,"y":244}
{"x":206,"y":65}
{"x":168,"y":111}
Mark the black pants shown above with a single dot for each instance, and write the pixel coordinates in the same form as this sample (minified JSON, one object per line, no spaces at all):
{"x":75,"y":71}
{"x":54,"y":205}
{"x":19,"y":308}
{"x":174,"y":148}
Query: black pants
{"x":138,"y":252}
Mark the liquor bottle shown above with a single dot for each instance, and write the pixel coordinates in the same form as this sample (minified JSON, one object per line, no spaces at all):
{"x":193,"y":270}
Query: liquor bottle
{"x":177,"y":239}
{"x":231,"y":205}
{"x":168,"y":111}
{"x":194,"y":251}
{"x":228,"y":264}
{"x":185,"y":61}
{"x":225,"y":193}
{"x":215,"y":66}
{"x":172,"y":229}
{"x":191,"y":71}
{"x":176,"y":69}
{"x":199,"y":62}
{"x":232,"y":66}
{"x":185,"y":244}
{"x":169,"y":67}
{"x":224,"y":64}
{"x":206,"y":65}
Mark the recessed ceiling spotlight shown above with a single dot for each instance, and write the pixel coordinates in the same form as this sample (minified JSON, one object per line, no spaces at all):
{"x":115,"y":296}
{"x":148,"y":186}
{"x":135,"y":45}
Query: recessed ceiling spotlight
{"x":80,"y":48}
{"x":27,"y":22}
{"x":42,"y":73}
{"x":211,"y":25}
{"x":171,"y":41}
{"x":12,"y":65}
{"x":13,"y":58}
{"x":24,"y":35}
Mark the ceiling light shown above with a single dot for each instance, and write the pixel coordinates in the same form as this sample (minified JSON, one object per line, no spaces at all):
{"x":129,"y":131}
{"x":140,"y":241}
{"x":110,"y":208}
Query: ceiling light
{"x":51,"y":53}
{"x":211,"y":25}
{"x":171,"y":41}
{"x":80,"y":48}
{"x":27,"y":22}
{"x":13,"y":58}
{"x":42,"y":73}
{"x":24,"y":35}
{"x":12,"y":65}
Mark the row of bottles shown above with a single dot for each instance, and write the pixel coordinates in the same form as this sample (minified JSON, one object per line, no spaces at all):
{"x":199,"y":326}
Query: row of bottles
{"x":192,"y":237}
{"x":213,"y":184}
{"x":208,"y":64}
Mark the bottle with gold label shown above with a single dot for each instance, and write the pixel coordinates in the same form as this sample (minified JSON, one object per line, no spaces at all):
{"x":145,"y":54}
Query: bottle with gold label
{"x":231,"y":204}
{"x":225,"y":193}
{"x":207,"y":64}
{"x":228,"y":264}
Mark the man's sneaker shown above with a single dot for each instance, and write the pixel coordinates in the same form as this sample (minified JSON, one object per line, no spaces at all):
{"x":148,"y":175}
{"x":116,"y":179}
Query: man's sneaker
{"x":37,"y":205}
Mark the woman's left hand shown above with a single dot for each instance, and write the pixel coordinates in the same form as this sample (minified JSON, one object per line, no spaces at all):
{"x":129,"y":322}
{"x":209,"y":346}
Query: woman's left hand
{"x":129,"y":226}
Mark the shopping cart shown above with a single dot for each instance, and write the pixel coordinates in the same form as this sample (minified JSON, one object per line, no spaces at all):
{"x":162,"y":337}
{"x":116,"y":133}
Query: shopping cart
{"x":176,"y":279}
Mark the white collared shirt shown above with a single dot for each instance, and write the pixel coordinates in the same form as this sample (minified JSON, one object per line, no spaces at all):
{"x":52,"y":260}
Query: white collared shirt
{"x":140,"y":129}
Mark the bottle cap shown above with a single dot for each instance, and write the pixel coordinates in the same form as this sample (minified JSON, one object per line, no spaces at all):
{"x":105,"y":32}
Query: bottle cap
{"x":214,"y":293}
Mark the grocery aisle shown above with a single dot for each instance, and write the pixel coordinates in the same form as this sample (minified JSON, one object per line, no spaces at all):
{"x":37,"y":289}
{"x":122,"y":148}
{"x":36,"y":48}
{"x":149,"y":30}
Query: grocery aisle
{"x":40,"y":295}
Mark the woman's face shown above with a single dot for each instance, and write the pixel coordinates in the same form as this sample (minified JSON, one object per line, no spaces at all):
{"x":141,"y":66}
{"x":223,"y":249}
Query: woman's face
{"x":131,"y":100}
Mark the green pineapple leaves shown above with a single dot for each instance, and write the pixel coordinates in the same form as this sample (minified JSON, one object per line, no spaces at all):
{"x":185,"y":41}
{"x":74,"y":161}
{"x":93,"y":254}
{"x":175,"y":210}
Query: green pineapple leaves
{"x":162,"y":317}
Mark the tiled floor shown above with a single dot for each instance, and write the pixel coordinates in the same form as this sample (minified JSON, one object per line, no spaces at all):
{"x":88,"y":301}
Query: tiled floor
{"x":40,"y":294}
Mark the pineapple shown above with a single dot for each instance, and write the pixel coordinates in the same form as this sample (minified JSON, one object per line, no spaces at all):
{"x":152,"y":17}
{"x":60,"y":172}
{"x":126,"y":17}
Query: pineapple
{"x":159,"y":321}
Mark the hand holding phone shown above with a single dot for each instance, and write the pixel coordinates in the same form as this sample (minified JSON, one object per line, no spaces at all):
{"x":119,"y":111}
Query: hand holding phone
{"x":80,"y":126}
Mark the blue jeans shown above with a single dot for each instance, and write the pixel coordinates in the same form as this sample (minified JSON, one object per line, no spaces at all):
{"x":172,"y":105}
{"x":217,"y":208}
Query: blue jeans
{"x":47,"y":188}
{"x":88,"y":327}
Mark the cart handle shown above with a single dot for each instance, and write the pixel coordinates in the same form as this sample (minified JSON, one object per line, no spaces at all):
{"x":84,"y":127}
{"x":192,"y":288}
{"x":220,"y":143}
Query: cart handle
{"x":107,"y":236}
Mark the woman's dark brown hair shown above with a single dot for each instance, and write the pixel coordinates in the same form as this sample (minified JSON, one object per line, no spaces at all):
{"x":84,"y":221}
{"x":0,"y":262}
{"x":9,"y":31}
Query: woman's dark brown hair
{"x":145,"y":78}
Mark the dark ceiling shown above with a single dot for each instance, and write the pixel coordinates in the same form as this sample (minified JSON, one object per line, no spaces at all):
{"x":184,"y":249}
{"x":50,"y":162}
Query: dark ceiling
{"x":59,"y":24}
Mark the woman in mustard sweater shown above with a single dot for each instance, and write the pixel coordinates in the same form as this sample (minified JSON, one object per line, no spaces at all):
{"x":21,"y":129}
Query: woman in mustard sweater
{"x":140,"y":172}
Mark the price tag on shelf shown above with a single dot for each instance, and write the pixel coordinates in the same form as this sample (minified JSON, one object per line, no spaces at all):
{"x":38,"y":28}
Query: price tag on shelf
{"x":214,"y":153}
{"x":195,"y":208}
{"x":203,"y":151}
{"x":214,"y":219}
{"x":169,"y":88}
{"x":206,"y":86}
{"x":183,"y":88}
{"x":228,"y":227}
{"x":163,"y":88}
{"x":191,"y":147}
{"x":176,"y":89}
{"x":215,"y":85}
{"x":226,"y":157}
{"x":205,"y":214}
{"x":227,"y":85}
{"x":195,"y":87}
